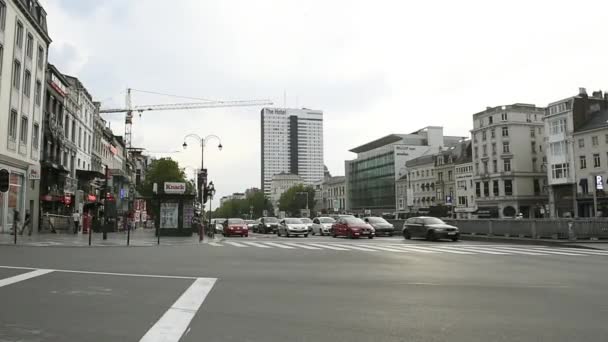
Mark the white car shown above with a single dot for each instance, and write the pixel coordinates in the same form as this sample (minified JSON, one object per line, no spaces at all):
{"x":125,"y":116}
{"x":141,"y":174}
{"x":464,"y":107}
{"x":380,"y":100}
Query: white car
{"x":322,"y":225}
{"x":292,"y":226}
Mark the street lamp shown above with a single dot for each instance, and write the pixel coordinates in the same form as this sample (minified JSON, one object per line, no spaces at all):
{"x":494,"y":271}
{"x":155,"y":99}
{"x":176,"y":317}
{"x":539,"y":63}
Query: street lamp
{"x":203,"y":142}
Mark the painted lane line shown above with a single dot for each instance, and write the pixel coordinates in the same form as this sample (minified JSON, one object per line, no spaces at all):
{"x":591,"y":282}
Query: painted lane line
{"x":236,"y":244}
{"x":388,"y":249}
{"x":216,"y":244}
{"x":578,"y":250}
{"x":516,"y":250}
{"x":486,"y":250}
{"x":443,"y":250}
{"x":174,"y":322}
{"x":274,"y":244}
{"x":22,"y":277}
{"x":354,"y":247}
{"x":106,"y":273}
{"x":300,"y":245}
{"x":327,"y":247}
{"x":255,"y":244}
{"x":554,"y":251}
{"x":413,"y":249}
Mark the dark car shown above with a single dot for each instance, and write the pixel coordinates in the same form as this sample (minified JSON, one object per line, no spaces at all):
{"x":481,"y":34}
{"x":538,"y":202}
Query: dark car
{"x":430,"y":228}
{"x":381,"y":226}
{"x":352,"y":227}
{"x":268,"y":225}
{"x":235,"y":226}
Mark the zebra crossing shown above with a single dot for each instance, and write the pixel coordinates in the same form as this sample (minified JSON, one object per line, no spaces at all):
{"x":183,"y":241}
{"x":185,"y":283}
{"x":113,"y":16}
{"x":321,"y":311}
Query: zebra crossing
{"x":461,"y":249}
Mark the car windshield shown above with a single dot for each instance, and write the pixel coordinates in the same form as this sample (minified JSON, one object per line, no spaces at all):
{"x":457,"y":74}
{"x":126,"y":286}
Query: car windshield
{"x":236,"y":221}
{"x":432,"y":220}
{"x":306,"y":220}
{"x":271,"y":219}
{"x":249,"y":221}
{"x":376,"y":220}
{"x":353,"y":220}
{"x":326,"y":220}
{"x":293,"y":221}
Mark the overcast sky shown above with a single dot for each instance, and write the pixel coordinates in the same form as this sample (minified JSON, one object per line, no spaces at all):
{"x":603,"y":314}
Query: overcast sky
{"x":374,"y":67}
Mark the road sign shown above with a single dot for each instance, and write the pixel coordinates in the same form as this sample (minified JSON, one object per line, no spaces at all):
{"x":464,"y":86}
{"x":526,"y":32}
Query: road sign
{"x":599,"y":182}
{"x":4,"y":180}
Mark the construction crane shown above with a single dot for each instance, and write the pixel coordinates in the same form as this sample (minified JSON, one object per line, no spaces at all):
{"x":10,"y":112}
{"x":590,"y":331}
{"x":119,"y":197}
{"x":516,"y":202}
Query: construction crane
{"x":174,"y":106}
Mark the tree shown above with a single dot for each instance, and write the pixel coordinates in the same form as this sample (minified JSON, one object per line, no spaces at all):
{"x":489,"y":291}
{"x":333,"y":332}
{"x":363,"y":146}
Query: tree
{"x":293,"y":200}
{"x":255,"y":204}
{"x":161,"y":171}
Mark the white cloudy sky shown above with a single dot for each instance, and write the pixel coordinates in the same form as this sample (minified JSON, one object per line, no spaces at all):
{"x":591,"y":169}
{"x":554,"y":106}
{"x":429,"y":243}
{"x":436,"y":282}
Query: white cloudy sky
{"x":374,"y":67}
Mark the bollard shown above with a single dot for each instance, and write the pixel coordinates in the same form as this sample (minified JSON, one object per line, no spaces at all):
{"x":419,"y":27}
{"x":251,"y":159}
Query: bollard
{"x":571,"y":234}
{"x":90,"y":235}
{"x":128,"y":234}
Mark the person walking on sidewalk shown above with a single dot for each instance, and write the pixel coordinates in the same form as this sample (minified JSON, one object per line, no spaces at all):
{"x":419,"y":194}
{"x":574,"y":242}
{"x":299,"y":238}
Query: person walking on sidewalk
{"x":15,"y":221}
{"x":76,"y":218}
{"x":27,"y":223}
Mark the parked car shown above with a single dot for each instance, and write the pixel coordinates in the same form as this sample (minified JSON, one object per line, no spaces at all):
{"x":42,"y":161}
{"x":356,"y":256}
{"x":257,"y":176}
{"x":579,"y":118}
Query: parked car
{"x":251,"y":224}
{"x":322,"y":225}
{"x":235,"y":226}
{"x":219,"y":227}
{"x":308,"y":223}
{"x":381,"y":226}
{"x":292,"y":226}
{"x":352,"y":227}
{"x":430,"y":228}
{"x":268,"y":225}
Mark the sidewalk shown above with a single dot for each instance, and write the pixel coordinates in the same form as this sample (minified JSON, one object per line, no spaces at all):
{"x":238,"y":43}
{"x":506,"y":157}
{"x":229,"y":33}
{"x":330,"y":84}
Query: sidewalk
{"x":139,"y":237}
{"x":589,"y":244}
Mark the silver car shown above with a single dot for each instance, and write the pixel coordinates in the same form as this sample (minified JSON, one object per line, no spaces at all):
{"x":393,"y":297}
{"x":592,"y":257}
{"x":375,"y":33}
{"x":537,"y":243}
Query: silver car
{"x":292,"y":226}
{"x":322,"y":225}
{"x":308,"y":223}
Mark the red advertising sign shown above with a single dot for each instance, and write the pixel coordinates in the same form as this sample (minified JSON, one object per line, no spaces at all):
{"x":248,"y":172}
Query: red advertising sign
{"x":91,"y":198}
{"x":67,"y":199}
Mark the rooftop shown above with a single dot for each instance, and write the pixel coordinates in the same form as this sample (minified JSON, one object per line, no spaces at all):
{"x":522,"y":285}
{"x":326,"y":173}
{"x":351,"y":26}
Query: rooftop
{"x":596,"y":120}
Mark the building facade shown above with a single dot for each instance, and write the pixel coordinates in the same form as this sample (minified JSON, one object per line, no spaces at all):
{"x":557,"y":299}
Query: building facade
{"x":334,"y":194}
{"x":280,"y":183}
{"x":421,"y":184}
{"x":292,"y":142}
{"x":562,"y":118}
{"x":508,"y":160}
{"x":370,"y":178}
{"x":24,"y":43}
{"x":591,"y":156}
{"x":465,"y":205}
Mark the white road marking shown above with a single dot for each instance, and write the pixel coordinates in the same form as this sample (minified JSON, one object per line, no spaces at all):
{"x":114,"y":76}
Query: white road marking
{"x":105,"y":273}
{"x":589,"y":251}
{"x":486,"y":250}
{"x":216,"y":244}
{"x":328,"y":247}
{"x":554,"y":251}
{"x":517,"y":250}
{"x":388,"y":249}
{"x":274,"y":244}
{"x":255,"y":244}
{"x":355,"y":247}
{"x":235,"y":244}
{"x":413,"y":249}
{"x":174,"y":322}
{"x":443,"y":250}
{"x":22,"y":277}
{"x":300,"y":245}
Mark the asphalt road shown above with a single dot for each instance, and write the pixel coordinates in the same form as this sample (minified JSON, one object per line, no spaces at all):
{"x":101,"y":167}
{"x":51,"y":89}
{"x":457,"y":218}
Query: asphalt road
{"x":452,"y":292}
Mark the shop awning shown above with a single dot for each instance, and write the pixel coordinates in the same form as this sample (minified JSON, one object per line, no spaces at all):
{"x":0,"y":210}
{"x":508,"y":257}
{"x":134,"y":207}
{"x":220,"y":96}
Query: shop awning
{"x":89,"y":174}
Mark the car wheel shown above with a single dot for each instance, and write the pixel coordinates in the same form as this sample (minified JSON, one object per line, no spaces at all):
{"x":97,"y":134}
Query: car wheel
{"x":333,"y":234}
{"x":321,"y":232}
{"x":407,"y":235}
{"x":313,"y":232}
{"x":305,"y":235}
{"x":455,"y":238}
{"x":390,"y":234}
{"x":246,"y":235}
{"x":430,"y":236}
{"x":287,"y":233}
{"x":370,"y":237}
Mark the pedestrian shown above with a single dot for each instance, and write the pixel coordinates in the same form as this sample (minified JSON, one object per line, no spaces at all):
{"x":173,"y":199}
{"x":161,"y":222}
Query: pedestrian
{"x":15,"y":221}
{"x":27,"y":223}
{"x":76,"y":218}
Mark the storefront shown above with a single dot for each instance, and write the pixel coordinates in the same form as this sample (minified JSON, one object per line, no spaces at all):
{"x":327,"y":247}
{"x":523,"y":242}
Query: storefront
{"x":13,"y":199}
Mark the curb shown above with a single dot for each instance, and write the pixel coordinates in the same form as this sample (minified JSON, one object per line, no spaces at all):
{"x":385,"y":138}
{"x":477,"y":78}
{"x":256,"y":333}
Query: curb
{"x":528,"y":241}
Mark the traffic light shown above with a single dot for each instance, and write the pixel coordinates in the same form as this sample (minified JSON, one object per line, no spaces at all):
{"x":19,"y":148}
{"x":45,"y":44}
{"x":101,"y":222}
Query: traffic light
{"x":4,"y":180}
{"x":205,"y":194}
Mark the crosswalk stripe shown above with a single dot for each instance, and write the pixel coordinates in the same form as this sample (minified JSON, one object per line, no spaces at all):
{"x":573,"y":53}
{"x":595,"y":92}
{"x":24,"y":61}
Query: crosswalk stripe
{"x":587,"y":251}
{"x":274,"y":244}
{"x":255,"y":244}
{"x":236,"y":244}
{"x":486,"y":250}
{"x":328,"y":247}
{"x":414,"y":249}
{"x":555,"y":251}
{"x":22,"y":277}
{"x":355,"y":247}
{"x":517,"y":250}
{"x":301,"y":245}
{"x":444,"y":249}
{"x":388,"y":249}
{"x":216,"y":244}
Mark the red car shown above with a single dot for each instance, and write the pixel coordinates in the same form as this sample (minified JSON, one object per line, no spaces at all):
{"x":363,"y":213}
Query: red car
{"x":353,"y":228}
{"x":235,"y":226}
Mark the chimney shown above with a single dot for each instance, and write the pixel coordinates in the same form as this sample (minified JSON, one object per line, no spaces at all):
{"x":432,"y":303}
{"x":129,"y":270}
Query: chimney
{"x":582,"y":91}
{"x":597,"y":94}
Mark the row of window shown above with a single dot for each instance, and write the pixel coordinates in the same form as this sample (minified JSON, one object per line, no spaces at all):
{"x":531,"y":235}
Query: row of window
{"x":23,"y":131}
{"x":596,"y":161}
{"x":595,"y":141}
{"x":507,"y":188}
{"x":506,"y":166}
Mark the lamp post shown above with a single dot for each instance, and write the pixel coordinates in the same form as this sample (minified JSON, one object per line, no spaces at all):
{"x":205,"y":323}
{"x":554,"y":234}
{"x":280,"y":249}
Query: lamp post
{"x":305,"y":192}
{"x":203,"y":142}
